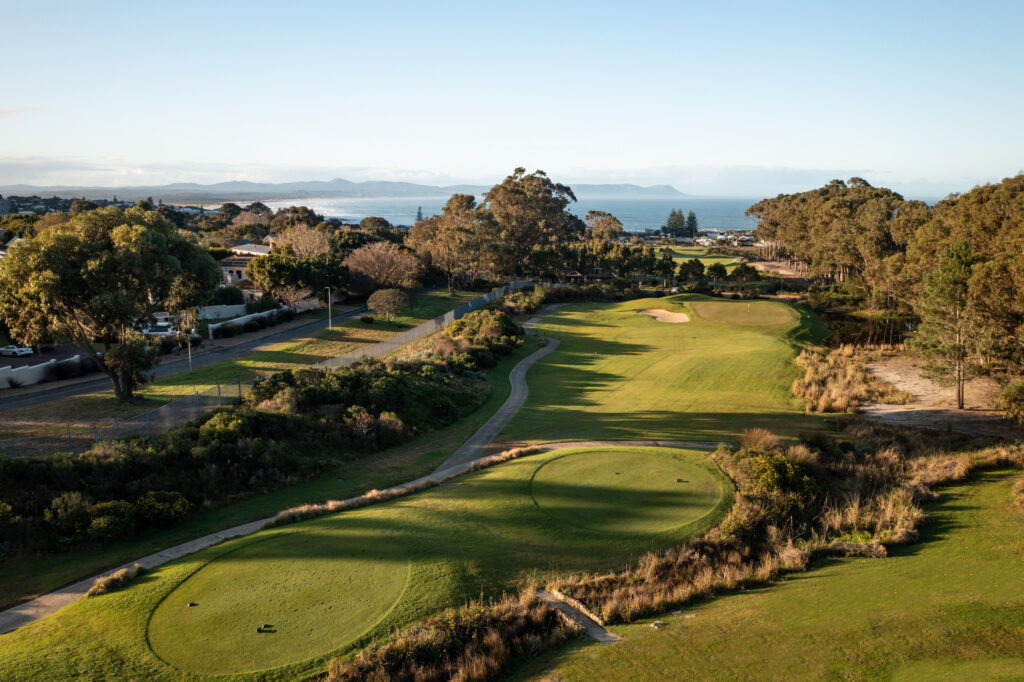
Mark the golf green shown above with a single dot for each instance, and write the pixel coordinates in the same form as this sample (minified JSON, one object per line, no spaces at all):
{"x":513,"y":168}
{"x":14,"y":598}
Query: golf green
{"x":312,"y":596}
{"x":624,"y":492}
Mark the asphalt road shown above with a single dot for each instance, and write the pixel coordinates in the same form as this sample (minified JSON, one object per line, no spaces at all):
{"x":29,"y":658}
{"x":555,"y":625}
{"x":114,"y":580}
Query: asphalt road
{"x":209,"y":357}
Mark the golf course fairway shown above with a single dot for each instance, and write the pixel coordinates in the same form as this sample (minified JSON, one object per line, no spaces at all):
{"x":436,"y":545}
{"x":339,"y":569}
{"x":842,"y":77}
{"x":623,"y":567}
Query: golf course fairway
{"x":618,"y":375}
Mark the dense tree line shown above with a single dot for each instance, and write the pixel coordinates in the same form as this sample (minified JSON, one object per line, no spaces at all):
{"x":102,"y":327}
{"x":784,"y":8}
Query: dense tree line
{"x":957,"y":265}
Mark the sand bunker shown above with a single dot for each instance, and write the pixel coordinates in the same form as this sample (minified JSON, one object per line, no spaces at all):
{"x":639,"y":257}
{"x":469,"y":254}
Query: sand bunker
{"x":665,"y":315}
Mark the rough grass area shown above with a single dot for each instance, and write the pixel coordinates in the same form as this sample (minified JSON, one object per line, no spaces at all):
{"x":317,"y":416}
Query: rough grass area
{"x":618,"y":375}
{"x":839,"y":381}
{"x":29,"y":577}
{"x":947,"y":608}
{"x":308,"y":580}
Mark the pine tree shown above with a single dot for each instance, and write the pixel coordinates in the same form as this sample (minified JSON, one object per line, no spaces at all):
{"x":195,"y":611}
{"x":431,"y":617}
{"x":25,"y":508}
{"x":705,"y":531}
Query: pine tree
{"x":675,"y":226}
{"x":946,"y":331}
{"x":419,"y":213}
{"x":691,"y":224}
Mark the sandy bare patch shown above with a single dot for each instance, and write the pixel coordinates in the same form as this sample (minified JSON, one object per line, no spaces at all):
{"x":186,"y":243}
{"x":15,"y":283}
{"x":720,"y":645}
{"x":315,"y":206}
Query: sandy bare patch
{"x":935,"y":406}
{"x":665,"y":315}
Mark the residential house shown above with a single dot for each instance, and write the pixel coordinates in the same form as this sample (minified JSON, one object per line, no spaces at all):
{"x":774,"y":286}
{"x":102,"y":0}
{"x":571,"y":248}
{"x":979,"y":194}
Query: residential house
{"x":232,"y":269}
{"x":250,"y":249}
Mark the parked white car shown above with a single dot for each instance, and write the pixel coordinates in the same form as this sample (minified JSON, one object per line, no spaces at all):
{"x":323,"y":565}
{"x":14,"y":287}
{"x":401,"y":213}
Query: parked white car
{"x":16,"y":351}
{"x":160,"y":330}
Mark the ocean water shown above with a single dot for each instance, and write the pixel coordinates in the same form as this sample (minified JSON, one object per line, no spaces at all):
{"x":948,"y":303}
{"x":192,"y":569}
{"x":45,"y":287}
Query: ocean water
{"x":636,"y":215}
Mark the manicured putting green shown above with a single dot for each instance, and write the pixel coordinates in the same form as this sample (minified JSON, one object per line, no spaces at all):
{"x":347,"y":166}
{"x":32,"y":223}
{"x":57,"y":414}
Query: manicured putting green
{"x":314,"y":597}
{"x":624,"y":492}
{"x":746,"y":313}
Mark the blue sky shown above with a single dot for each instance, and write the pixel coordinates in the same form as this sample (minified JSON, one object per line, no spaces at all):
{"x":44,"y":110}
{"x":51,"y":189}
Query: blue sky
{"x":713,"y":97}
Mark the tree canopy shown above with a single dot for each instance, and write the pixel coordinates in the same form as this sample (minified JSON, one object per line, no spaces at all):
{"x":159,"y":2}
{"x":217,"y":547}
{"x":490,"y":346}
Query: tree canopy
{"x":530,"y":210}
{"x":98,"y":277}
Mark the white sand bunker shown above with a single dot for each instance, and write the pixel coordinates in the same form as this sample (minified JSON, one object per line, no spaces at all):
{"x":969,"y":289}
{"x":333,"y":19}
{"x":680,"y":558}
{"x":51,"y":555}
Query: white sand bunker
{"x":665,"y":315}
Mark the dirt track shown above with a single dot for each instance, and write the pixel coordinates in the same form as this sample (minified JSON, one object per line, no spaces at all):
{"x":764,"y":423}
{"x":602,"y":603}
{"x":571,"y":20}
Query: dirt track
{"x":935,"y":405}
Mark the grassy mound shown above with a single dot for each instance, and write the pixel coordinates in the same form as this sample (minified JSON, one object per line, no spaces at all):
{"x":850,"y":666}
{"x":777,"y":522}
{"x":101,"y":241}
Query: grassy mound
{"x":640,"y":492}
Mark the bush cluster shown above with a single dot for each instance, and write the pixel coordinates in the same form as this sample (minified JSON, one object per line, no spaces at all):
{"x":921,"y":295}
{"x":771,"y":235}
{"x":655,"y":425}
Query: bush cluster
{"x":479,"y":338}
{"x":470,"y":643}
{"x":529,"y":299}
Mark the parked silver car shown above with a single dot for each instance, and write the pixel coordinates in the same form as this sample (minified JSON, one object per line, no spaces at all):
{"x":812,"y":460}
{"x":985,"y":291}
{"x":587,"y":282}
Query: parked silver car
{"x":15,"y":351}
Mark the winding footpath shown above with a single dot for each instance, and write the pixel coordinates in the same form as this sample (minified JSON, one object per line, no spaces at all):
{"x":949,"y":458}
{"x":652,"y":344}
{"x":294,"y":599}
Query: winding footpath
{"x":473,"y":448}
{"x":463,"y":460}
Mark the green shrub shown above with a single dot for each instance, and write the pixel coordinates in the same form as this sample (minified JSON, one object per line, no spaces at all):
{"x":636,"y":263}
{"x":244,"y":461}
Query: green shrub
{"x":68,"y":513}
{"x":228,"y":295}
{"x":366,"y":319}
{"x":161,"y":508}
{"x":112,"y":520}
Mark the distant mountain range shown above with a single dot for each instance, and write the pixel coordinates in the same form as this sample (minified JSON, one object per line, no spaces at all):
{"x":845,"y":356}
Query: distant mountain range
{"x":187,"y":192}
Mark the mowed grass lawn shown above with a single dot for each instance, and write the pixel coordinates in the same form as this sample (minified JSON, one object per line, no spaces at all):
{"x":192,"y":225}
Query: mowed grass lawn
{"x":329,"y":584}
{"x":950,"y":608}
{"x":28,"y":577}
{"x":683,"y":253}
{"x":50,"y":421}
{"x":619,"y":374}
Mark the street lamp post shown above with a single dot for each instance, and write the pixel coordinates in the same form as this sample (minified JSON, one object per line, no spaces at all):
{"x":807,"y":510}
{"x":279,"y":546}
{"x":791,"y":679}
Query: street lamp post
{"x":330,"y":322}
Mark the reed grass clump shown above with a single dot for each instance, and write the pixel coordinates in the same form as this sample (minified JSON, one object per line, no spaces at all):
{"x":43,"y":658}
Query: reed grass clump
{"x":840,"y":382}
{"x":120,"y":578}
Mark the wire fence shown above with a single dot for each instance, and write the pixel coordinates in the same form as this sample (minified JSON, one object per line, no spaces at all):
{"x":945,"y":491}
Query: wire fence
{"x":159,"y":420}
{"x":388,"y":346}
{"x":149,"y":423}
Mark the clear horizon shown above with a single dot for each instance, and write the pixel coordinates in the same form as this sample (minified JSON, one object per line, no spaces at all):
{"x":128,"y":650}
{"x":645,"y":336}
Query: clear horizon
{"x":747,"y":100}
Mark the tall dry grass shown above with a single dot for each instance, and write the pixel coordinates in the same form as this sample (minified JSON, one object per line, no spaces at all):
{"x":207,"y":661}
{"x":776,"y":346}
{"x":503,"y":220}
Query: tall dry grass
{"x":839,"y":382}
{"x":1018,"y":491}
{"x":469,"y":644}
{"x":120,"y":578}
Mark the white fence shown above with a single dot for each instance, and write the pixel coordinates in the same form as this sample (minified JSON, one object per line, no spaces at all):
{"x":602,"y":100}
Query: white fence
{"x":221,"y":312}
{"x":239,"y":321}
{"x":379,"y":350}
{"x":30,"y":375}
